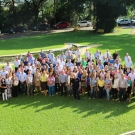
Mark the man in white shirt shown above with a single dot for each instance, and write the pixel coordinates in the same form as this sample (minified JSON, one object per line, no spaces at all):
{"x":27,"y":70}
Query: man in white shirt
{"x":22,"y":79}
{"x":129,"y":63}
{"x":77,"y":52}
{"x":127,"y":57}
{"x":8,"y":67}
{"x":16,"y":63}
{"x":107,"y":54}
{"x":132,"y":75}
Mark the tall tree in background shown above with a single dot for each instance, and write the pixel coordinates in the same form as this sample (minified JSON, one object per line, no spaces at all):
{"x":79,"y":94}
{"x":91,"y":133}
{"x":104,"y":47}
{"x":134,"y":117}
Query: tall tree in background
{"x":106,"y":12}
{"x":35,"y":6}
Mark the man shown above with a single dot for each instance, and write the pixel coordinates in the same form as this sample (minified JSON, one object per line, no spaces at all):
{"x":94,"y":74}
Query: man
{"x":29,"y":82}
{"x":96,"y":54}
{"x":122,"y":87}
{"x":69,"y":63}
{"x":31,"y":59}
{"x":115,"y":54}
{"x":42,"y":54}
{"x":127,"y":57}
{"x":107,"y":54}
{"x":22,"y":79}
{"x":77,"y":52}
{"x":76,"y":86}
{"x":16,"y":63}
{"x":62,"y":82}
{"x":3,"y":72}
{"x":129,"y":63}
{"x":8,"y":66}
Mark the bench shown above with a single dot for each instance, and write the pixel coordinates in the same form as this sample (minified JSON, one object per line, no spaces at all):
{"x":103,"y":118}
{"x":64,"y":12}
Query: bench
{"x":100,"y":30}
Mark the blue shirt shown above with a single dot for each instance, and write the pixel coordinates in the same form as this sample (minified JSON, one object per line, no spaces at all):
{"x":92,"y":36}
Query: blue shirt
{"x":88,"y":80}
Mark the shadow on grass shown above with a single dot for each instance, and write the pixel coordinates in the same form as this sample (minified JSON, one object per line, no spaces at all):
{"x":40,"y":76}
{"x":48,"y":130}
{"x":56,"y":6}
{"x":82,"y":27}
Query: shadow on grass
{"x":91,"y":107}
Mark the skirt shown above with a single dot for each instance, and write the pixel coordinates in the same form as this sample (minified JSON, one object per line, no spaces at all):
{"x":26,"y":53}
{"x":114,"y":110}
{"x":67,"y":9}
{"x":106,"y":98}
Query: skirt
{"x":44,"y":85}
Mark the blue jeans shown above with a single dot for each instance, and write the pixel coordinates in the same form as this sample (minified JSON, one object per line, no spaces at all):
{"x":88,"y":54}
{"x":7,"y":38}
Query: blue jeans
{"x":108,"y":93}
{"x":51,"y":90}
{"x":93,"y":90}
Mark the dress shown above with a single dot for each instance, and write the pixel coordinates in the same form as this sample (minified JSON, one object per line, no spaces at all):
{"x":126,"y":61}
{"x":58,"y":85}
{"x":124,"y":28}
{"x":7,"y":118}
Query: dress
{"x":9,"y":87}
{"x":83,"y":82}
{"x":37,"y":79}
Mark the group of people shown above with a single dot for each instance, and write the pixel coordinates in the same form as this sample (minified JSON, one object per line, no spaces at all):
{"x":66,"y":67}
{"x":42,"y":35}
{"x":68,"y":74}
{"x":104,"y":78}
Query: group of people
{"x":70,"y":74}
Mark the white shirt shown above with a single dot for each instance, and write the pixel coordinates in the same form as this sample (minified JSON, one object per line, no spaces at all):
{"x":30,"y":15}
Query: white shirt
{"x":126,"y":58}
{"x":29,"y":78}
{"x":132,"y":76}
{"x":7,"y":67}
{"x":17,"y":63}
{"x":115,"y":85}
{"x":3,"y":73}
{"x":86,"y":54}
{"x":8,"y":81}
{"x":129,"y":64}
{"x":107,"y":54}
{"x":77,"y":53}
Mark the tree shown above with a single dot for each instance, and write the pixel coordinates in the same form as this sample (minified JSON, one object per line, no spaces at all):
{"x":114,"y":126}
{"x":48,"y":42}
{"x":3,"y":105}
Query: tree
{"x":35,"y":6}
{"x":106,"y":12}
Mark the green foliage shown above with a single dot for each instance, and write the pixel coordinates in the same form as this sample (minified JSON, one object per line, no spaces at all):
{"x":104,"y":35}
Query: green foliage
{"x":107,"y":11}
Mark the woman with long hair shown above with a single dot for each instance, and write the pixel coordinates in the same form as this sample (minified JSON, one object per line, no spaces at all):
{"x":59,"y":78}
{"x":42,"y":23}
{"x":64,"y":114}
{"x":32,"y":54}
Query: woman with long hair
{"x":9,"y":86}
{"x":15,"y":83}
{"x":43,"y":79}
{"x":130,"y":87}
{"x":51,"y":83}
{"x":83,"y":81}
{"x":37,"y":79}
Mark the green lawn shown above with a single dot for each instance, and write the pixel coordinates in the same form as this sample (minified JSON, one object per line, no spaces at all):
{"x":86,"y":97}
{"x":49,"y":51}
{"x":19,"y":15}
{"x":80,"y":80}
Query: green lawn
{"x":122,"y":41}
{"x":40,"y":115}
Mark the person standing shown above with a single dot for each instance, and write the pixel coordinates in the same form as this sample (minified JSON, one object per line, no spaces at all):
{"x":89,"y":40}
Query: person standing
{"x":9,"y":86}
{"x":122,"y":87}
{"x":89,"y":84}
{"x":43,"y":79}
{"x":56,"y":82}
{"x":29,"y":82}
{"x":100,"y":87}
{"x":130,"y":87}
{"x":93,"y":87}
{"x":108,"y":86}
{"x":15,"y":83}
{"x":3,"y":89}
{"x":37,"y":79}
{"x":17,"y":62}
{"x":22,"y":79}
{"x":76,"y":86}
{"x":83,"y":81}
{"x":115,"y":81}
{"x":51,"y":83}
{"x":62,"y":82}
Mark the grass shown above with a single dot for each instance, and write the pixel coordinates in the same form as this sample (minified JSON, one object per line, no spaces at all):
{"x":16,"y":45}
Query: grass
{"x":120,"y":41}
{"x":40,"y":115}
{"x":58,"y":115}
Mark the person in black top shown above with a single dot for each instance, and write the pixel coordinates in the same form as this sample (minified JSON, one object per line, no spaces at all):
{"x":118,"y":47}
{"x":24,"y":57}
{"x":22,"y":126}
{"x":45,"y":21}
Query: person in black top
{"x":3,"y":89}
{"x":76,"y":86}
{"x":115,"y":54}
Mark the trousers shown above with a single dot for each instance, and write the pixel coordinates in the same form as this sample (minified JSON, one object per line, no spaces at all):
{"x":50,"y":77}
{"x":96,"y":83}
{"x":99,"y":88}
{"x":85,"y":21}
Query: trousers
{"x":4,"y":95}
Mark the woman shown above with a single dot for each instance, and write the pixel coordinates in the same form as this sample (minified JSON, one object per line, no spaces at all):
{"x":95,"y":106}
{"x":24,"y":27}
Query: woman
{"x":115,"y":81}
{"x":83,"y":81}
{"x":100,"y":87}
{"x":89,"y":84}
{"x":51,"y":83}
{"x":57,"y":87}
{"x":108,"y":86}
{"x":3,"y":89}
{"x":8,"y":85}
{"x":130,"y":86}
{"x":15,"y":83}
{"x":37,"y":79}
{"x":69,"y":80}
{"x":93,"y":86}
{"x":43,"y":79}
